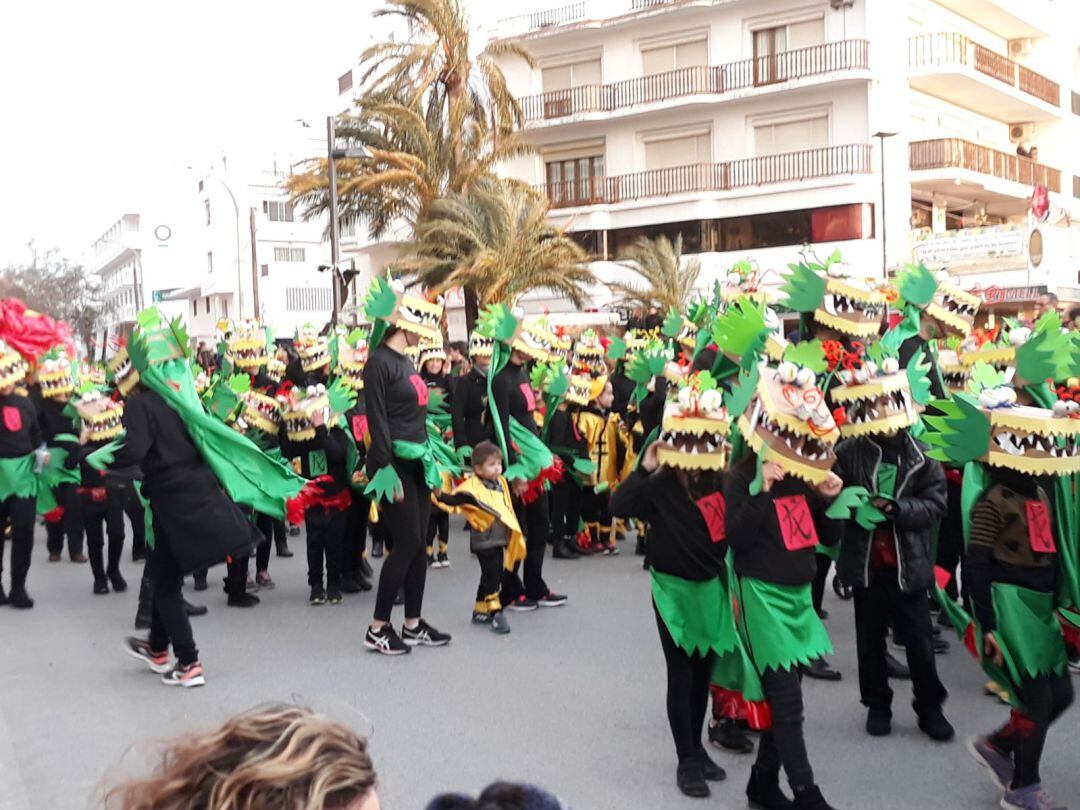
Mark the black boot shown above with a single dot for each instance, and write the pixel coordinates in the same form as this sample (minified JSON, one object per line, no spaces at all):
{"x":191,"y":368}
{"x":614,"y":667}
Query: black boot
{"x":350,"y":583}
{"x":727,"y":734}
{"x":639,"y":546}
{"x":116,"y":550}
{"x":365,"y":568}
{"x":709,"y":769}
{"x":564,"y":550}
{"x":194,"y":610}
{"x":200,"y":580}
{"x":97,"y":568}
{"x":811,"y":799}
{"x":236,"y":585}
{"x":691,"y":779}
{"x":376,"y":547}
{"x":144,"y":613}
{"x":763,"y":791}
{"x":19,"y":598}
{"x":283,"y":549}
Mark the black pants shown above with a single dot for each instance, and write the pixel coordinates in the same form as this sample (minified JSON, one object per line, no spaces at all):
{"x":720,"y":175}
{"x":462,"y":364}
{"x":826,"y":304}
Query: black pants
{"x":438,"y":526}
{"x":950,"y":541}
{"x":100,"y":518}
{"x":784,"y":744}
{"x":20,"y":512}
{"x":687,"y":693}
{"x":876,"y":608}
{"x":325,"y":534}
{"x":169,"y":622}
{"x":491,"y":563}
{"x":405,"y":524}
{"x":133,"y":508}
{"x":273,"y":530}
{"x":534,"y":519}
{"x":595,"y":508}
{"x":69,"y":525}
{"x":356,"y":529}
{"x":817,"y":588}
{"x":565,"y":510}
{"x":1046,"y":699}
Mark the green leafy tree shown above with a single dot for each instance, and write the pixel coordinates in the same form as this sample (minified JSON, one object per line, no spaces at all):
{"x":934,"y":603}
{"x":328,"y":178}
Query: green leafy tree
{"x":667,"y":281}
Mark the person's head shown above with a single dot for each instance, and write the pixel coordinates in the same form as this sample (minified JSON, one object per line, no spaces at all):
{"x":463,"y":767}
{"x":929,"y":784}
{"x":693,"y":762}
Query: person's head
{"x":458,"y":351}
{"x":500,"y":796}
{"x":1044,"y":303}
{"x":606,"y":396}
{"x":1072,"y":320}
{"x":276,"y":756}
{"x":1034,"y":153}
{"x":433,"y":367}
{"x":487,"y":461}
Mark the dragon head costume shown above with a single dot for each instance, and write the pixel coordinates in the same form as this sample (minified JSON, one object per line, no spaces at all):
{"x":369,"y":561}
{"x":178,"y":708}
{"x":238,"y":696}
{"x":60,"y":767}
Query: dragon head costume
{"x":351,"y":358}
{"x":56,"y":374}
{"x":589,"y":354}
{"x":878,"y":397}
{"x":387,"y":304}
{"x":313,"y":348}
{"x":935,"y":296}
{"x":101,"y":415}
{"x":833,"y":298}
{"x":12,"y":367}
{"x":248,"y":345}
{"x":694,"y":431}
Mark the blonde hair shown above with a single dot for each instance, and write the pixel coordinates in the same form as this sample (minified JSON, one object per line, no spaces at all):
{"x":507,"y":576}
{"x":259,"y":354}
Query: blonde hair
{"x":276,"y":757}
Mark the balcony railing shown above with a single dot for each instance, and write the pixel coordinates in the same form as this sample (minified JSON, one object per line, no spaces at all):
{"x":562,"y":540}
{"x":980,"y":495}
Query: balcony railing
{"x":638,"y":5}
{"x":557,"y":16}
{"x":829,"y":161}
{"x":953,"y":153}
{"x":941,"y":50}
{"x":848,"y":54}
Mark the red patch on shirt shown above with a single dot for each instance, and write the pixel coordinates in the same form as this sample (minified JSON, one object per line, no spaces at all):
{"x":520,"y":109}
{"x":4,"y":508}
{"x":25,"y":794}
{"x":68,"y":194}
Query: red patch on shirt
{"x":796,"y":522}
{"x":359,"y":427}
{"x":712,"y":508}
{"x":530,"y":400}
{"x":1039,"y":533}
{"x":421,"y":389}
{"x":12,"y":419}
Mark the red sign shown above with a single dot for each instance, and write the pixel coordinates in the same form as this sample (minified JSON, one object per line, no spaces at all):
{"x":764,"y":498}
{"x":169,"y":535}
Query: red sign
{"x":530,"y":400}
{"x":796,"y":522}
{"x":712,"y":509}
{"x":1040,"y":202}
{"x":421,"y":389}
{"x":1038,"y":519}
{"x":12,"y":419}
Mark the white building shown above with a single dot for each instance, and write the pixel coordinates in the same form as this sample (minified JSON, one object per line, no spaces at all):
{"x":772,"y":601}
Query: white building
{"x":240,"y":194}
{"x":755,"y":128}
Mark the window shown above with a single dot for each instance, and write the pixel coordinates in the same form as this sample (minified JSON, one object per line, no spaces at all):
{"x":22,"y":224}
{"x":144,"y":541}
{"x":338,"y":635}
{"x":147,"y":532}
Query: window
{"x":791,"y":136}
{"x":278,"y":210}
{"x":1076,"y":186}
{"x":344,"y":82}
{"x":200,"y":186}
{"x":206,"y":302}
{"x":224,"y":308}
{"x":665,"y":153}
{"x":264,"y":270}
{"x":673,"y":57}
{"x":575,"y":181}
{"x":771,"y":43}
{"x":1075,"y":103}
{"x":576,"y":74}
{"x":210,"y":262}
{"x":307,"y":299}
{"x":289,"y":254}
{"x":206,"y":203}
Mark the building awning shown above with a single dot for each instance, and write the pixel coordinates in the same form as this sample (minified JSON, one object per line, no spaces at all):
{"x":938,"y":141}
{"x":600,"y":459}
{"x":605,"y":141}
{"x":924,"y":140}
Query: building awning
{"x":189,"y":293}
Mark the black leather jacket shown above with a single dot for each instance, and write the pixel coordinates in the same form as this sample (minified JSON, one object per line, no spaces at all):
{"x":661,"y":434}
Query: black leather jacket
{"x":921,"y":504}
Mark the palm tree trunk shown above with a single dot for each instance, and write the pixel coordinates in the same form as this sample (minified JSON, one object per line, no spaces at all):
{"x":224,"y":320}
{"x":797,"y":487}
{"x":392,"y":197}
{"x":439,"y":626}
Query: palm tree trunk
{"x":472,"y":308}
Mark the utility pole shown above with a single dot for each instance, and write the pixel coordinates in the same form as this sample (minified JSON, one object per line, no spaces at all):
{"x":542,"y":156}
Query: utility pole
{"x":881,"y":136}
{"x":332,"y":174}
{"x":254,"y":269}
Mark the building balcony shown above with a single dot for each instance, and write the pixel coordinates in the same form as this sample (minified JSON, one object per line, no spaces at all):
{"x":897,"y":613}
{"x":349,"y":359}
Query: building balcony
{"x":952,"y":168}
{"x":830,"y":161}
{"x":1010,"y":19}
{"x":707,"y":81}
{"x":586,"y":13}
{"x":953,"y":68}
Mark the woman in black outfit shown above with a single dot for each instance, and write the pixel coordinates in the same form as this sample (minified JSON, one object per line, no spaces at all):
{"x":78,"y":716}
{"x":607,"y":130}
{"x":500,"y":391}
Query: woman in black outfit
{"x":396,"y":399}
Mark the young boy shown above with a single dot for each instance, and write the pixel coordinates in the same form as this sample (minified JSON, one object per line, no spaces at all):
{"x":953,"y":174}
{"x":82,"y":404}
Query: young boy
{"x":495,"y":536}
{"x":598,"y":425}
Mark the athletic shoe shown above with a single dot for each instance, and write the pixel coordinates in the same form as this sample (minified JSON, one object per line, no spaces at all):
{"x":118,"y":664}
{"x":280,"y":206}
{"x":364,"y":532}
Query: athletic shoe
{"x":442,"y":560}
{"x":187,"y":677}
{"x":263,"y":581}
{"x":432,"y":561}
{"x":879,"y":722}
{"x":933,"y":724}
{"x":140,"y":648}
{"x":385,"y":641}
{"x":424,"y":635}
{"x":726,"y":733}
{"x":350,"y":583}
{"x":521,"y":604}
{"x":997,"y":762}
{"x":994,"y":690}
{"x":610,"y":550}
{"x":333,"y":596}
{"x":551,"y":600}
{"x":500,"y":624}
{"x":821,"y":670}
{"x":318,"y":596}
{"x":479,"y":617}
{"x":1032,"y":797}
{"x":101,"y":586}
{"x":243,"y":600}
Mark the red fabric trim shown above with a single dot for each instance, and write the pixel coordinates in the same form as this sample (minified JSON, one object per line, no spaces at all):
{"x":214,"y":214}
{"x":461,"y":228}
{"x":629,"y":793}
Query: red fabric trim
{"x":54,"y":515}
{"x":969,"y":640}
{"x":548,"y":476}
{"x":727,"y":703}
{"x":953,"y":475}
{"x":312,"y":495}
{"x":1021,"y":723}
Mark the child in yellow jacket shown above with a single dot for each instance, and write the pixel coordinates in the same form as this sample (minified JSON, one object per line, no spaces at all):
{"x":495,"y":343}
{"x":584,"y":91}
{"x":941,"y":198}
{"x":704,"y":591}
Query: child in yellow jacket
{"x":599,"y":426}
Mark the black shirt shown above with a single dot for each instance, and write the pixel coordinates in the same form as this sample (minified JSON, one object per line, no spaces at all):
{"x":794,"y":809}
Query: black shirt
{"x":514,"y":397}
{"x":623,"y":388}
{"x":156,"y":438}
{"x":755,"y":533}
{"x":396,"y":399}
{"x":652,"y":406}
{"x":680,"y":540}
{"x":469,"y":414}
{"x":441,"y":382}
{"x":326,"y":454}
{"x":20,"y":432}
{"x":54,"y":421}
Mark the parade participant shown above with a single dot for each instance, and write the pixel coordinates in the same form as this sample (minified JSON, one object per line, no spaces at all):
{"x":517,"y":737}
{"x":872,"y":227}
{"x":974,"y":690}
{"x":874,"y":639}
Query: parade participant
{"x":776,"y":498}
{"x":600,"y":432}
{"x":470,"y":418}
{"x":567,"y":442}
{"x":101,"y":502}
{"x":318,"y":449}
{"x":512,"y":406}
{"x":22,"y":453}
{"x":55,"y":386}
{"x":196,"y":471}
{"x":399,"y":464}
{"x":431,"y":362}
{"x":677,"y":490}
{"x":887,"y":554}
{"x":494,"y":534}
{"x":351,"y":357}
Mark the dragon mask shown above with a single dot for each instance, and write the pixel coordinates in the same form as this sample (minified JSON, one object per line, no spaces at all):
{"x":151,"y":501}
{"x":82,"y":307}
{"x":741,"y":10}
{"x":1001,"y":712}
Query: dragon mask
{"x":12,"y":367}
{"x":392,"y":306}
{"x":100,"y":415}
{"x":313,"y":348}
{"x":834,"y":299}
{"x":879,"y":398}
{"x":248,"y":345}
{"x":695,"y":427}
{"x":55,"y":374}
{"x":589,"y":354}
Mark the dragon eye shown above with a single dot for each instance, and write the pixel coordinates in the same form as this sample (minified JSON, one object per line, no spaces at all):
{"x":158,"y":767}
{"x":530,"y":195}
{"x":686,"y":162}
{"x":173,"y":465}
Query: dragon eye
{"x":804,"y":377}
{"x":787,"y":372}
{"x":890,"y":365}
{"x":1061,"y":407}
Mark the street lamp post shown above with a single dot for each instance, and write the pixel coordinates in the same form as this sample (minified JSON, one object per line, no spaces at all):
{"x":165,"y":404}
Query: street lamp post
{"x":881,"y":136}
{"x":332,"y":156}
{"x":239,"y":264}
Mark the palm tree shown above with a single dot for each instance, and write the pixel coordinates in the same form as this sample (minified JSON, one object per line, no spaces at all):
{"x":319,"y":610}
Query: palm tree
{"x":668,"y":280}
{"x":495,"y":241}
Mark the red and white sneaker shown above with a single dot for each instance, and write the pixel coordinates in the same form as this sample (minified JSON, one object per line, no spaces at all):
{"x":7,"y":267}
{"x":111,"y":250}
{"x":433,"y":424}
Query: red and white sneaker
{"x":140,"y":648}
{"x":186,"y":676}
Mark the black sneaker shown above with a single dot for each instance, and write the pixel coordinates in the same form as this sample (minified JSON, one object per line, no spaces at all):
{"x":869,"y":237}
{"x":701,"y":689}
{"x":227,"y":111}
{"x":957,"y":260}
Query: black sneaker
{"x":820,"y":670}
{"x":551,"y":600}
{"x":479,"y":617}
{"x":500,"y":624}
{"x":243,"y":600}
{"x":318,"y":596}
{"x":385,"y":641}
{"x":376,"y":548}
{"x":726,"y":734}
{"x":350,"y":584}
{"x":521,"y":604}
{"x":101,"y":586}
{"x":933,"y":724}
{"x":200,"y":582}
{"x":442,"y":560}
{"x":424,"y":635}
{"x":878,"y":722}
{"x":334,"y":597}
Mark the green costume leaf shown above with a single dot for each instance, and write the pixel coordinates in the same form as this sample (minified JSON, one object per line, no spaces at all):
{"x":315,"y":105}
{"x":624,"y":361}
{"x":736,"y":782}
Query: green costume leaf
{"x":341,"y":397}
{"x":918,"y":374}
{"x":497,"y":322}
{"x":808,"y":354}
{"x":917,"y":285}
{"x":584,"y":466}
{"x":960,"y":433}
{"x":436,"y":403}
{"x":105,"y":455}
{"x":1047,"y":354}
{"x":983,"y":375}
{"x":385,"y":485}
{"x":380,"y":299}
{"x":616,"y":349}
{"x":848,"y":499}
{"x":741,"y":330}
{"x":803,"y":287}
{"x":673,"y":324}
{"x":742,"y":391}
{"x":240,"y":383}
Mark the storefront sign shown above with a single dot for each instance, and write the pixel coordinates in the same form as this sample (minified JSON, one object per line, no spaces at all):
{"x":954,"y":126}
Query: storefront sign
{"x":1040,"y":202}
{"x":1008,"y":295}
{"x":969,"y":245}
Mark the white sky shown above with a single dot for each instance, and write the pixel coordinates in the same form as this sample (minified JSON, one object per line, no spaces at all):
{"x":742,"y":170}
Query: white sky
{"x":101,"y":98}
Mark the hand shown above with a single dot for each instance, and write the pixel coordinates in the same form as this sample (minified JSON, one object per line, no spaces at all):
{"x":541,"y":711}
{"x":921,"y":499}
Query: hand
{"x":886,"y":506}
{"x":359,"y":477}
{"x":518,"y":486}
{"x":771,"y":473}
{"x":649,"y":461}
{"x":831,"y":486}
{"x":399,"y":495}
{"x":991,"y":649}
{"x":84,"y":434}
{"x":318,"y":418}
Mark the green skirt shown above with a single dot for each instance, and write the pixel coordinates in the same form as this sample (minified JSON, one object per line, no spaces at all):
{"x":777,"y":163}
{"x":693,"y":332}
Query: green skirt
{"x":1028,"y":632}
{"x":781,"y":626}
{"x":17,"y":477}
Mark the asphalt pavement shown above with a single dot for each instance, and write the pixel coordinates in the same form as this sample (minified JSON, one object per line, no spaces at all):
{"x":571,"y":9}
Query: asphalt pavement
{"x":572,"y":699}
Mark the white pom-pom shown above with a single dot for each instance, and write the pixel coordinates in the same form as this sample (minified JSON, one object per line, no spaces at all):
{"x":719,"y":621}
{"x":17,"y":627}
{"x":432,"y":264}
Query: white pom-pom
{"x":787,"y":372}
{"x":805,"y":377}
{"x":711,"y":401}
{"x":890,"y":365}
